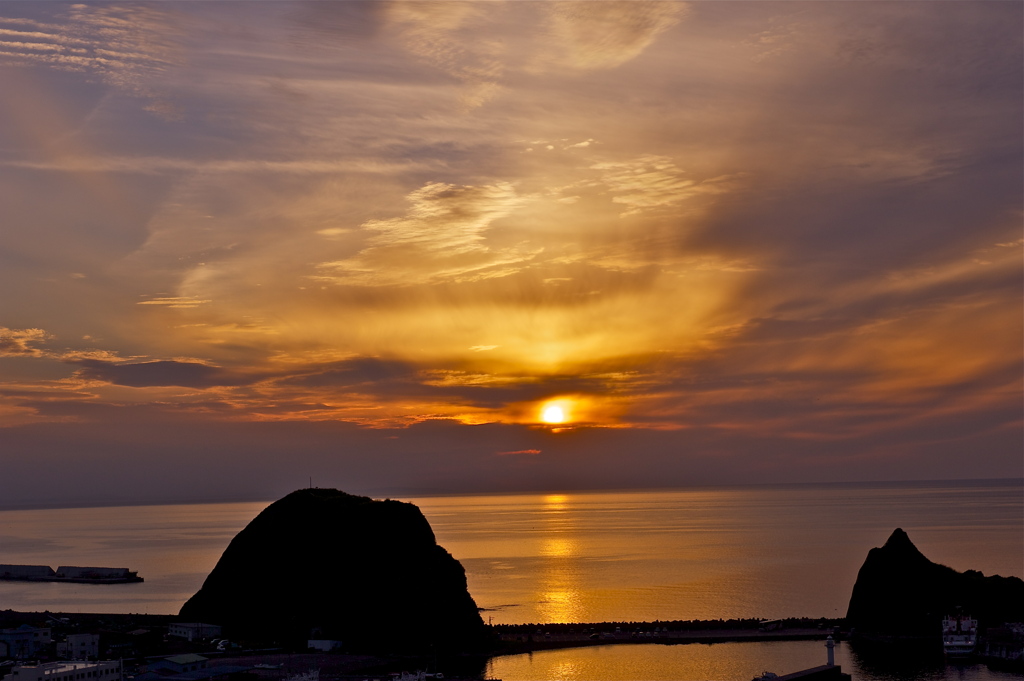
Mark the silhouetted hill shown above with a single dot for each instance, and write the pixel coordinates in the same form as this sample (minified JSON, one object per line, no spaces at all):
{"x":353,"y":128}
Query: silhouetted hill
{"x":368,"y":573}
{"x":900,"y":592}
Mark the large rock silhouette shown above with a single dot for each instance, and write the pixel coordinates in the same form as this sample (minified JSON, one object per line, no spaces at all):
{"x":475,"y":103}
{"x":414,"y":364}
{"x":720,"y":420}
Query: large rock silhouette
{"x":899,"y":592}
{"x":321,"y":563}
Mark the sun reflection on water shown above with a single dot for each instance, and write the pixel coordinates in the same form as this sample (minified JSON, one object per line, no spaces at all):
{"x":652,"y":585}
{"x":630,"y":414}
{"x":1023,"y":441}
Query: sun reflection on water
{"x":565,"y":671}
{"x":558,"y":547}
{"x":556,"y":502}
{"x":562,"y":605}
{"x":560,"y":598}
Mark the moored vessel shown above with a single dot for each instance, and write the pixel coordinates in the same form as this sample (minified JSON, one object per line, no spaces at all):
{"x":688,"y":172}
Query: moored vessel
{"x":959,"y":635}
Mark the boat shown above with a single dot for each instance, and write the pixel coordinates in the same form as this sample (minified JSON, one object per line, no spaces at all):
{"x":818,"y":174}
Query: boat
{"x":959,"y":635}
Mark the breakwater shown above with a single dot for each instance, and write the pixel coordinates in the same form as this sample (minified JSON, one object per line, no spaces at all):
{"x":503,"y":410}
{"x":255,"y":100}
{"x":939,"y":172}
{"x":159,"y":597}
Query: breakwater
{"x":530,"y":637}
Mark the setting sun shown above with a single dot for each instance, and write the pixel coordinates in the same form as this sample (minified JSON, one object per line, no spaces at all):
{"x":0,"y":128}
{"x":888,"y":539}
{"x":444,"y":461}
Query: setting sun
{"x":553,"y":413}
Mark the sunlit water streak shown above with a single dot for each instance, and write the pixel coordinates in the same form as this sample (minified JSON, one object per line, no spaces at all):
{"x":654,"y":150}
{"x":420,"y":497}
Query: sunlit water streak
{"x":683,"y":554}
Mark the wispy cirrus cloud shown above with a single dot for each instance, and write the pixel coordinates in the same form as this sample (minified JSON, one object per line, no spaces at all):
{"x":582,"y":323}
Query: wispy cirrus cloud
{"x":602,"y":35}
{"x":124,"y":45}
{"x":568,"y":36}
{"x":177,"y":302}
{"x":446,"y":35}
{"x":442,"y":236}
{"x":651,"y":182}
{"x":166,"y":164}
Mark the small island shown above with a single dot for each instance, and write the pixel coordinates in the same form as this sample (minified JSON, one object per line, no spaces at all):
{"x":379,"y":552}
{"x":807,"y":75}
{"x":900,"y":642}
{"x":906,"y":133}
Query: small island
{"x":900,"y":594}
{"x":326,"y":565}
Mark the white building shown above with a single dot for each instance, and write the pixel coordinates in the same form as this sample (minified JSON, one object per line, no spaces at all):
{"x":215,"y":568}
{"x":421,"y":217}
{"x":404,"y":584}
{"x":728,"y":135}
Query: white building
{"x":79,"y":647}
{"x":323,"y":644}
{"x":69,"y":671}
{"x":193,"y":631}
{"x":24,"y":642}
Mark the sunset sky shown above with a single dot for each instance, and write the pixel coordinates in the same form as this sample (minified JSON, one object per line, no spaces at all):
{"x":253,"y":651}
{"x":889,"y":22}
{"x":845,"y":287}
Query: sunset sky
{"x":415,"y":247}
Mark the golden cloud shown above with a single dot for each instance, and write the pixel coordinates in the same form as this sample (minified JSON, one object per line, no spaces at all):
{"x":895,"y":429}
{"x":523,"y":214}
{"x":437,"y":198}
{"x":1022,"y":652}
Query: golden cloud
{"x":440,"y":237}
{"x":21,"y":342}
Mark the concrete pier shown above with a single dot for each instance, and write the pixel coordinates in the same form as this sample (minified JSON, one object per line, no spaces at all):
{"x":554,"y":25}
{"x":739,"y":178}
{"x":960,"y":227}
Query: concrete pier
{"x":823,"y":673}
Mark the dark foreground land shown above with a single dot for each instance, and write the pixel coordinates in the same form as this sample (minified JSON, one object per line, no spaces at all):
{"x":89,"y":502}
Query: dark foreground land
{"x":138,"y":639}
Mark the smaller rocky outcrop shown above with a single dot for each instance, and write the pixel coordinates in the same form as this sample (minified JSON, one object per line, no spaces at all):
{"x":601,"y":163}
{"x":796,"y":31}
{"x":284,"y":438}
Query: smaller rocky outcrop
{"x":900,"y":592}
{"x":321,"y":563}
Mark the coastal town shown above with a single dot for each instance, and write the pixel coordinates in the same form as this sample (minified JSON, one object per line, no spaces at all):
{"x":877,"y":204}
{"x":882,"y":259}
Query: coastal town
{"x":138,"y":647}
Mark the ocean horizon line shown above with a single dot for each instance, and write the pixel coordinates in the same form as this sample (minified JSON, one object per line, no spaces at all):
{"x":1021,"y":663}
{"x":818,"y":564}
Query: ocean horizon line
{"x":55,"y":504}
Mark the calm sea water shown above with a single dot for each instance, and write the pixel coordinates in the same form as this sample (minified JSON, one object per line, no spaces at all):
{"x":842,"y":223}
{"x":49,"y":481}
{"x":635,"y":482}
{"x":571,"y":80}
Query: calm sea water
{"x":706,"y":554}
{"x":725,"y":662}
{"x":583,"y":557}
